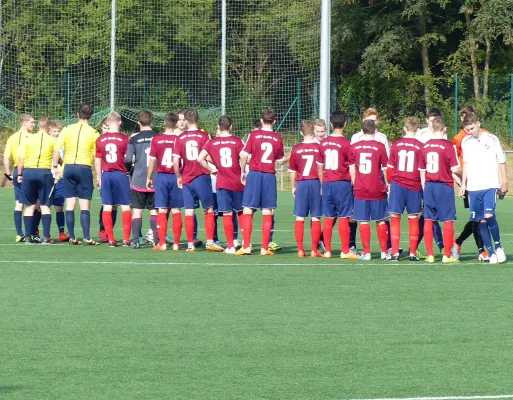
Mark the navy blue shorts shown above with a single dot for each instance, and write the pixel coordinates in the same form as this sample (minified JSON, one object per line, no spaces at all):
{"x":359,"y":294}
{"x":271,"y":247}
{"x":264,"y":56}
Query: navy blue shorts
{"x":482,"y":202}
{"x":402,"y":198}
{"x":199,"y":189}
{"x":308,"y":199}
{"x":439,"y":202}
{"x":370,"y":210}
{"x":78,"y":181}
{"x":260,"y":191}
{"x":17,"y":185}
{"x":58,"y":194}
{"x":167,"y":192}
{"x":337,"y":199}
{"x":115,"y":189}
{"x":37,"y":185}
{"x":228,"y":200}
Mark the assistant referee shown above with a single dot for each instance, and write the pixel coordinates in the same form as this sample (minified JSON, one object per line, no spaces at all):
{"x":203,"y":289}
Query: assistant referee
{"x":79,"y":143}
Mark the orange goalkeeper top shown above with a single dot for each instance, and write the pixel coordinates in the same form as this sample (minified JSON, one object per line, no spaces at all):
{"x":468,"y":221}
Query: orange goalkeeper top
{"x":457,"y":142}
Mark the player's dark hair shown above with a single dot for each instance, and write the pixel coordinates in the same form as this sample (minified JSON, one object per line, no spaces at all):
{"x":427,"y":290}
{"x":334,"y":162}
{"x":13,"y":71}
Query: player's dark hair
{"x":369,"y":127}
{"x":225,"y":123}
{"x":268,"y":116}
{"x":170,"y":120}
{"x":434,"y":112}
{"x":338,"y":119}
{"x":307,"y":127}
{"x":438,"y":124}
{"x":467,"y":110}
{"x":470,"y":119}
{"x":257,"y":124}
{"x":145,"y":118}
{"x":85,"y":112}
{"x":191,"y":116}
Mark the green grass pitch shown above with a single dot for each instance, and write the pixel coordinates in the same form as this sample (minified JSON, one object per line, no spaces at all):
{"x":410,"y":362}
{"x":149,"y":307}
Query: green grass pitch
{"x":101,"y":323}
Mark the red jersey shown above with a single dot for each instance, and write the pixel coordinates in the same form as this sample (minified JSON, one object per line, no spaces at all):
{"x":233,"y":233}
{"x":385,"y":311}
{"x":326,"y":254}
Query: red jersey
{"x":403,"y":163}
{"x":187,"y":147}
{"x":438,"y":158}
{"x":369,"y":157}
{"x":161,"y":150}
{"x":334,"y":155}
{"x":224,"y":152}
{"x":265,"y":148}
{"x":112,"y":148}
{"x":303,"y":159}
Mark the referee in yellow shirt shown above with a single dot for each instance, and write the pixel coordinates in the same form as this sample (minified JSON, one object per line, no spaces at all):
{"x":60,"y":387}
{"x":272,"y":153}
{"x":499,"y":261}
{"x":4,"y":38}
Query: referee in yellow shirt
{"x":11,"y":152}
{"x":36,"y":179}
{"x":79,"y":142}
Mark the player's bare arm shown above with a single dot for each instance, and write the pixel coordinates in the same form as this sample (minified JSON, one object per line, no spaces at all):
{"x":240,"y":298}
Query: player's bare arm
{"x":7,"y":165}
{"x":352,"y":172}
{"x":20,"y":169}
{"x":243,"y":163}
{"x":151,"y":167}
{"x":503,"y":170}
{"x":293,"y":182}
{"x":463,"y":182}
{"x":283,"y":161}
{"x":423,"y":179}
{"x":98,"y":169}
{"x":176,"y":167}
{"x":203,"y":161}
{"x":320,"y":171}
{"x":55,"y":162}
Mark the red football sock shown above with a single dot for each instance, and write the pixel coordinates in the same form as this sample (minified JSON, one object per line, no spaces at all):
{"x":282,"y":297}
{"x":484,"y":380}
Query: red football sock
{"x":162,"y":228}
{"x":448,"y":237}
{"x":382,"y":231}
{"x":209,"y":225}
{"x":247,"y":224}
{"x":365,"y":235}
{"x":189,"y":228}
{"x":177,"y":227}
{"x":126,"y":221}
{"x":299,"y":231}
{"x":228,"y":229}
{"x":267,"y":225}
{"x":316,"y":235}
{"x":344,"y":232}
{"x":107,"y":222}
{"x":395,"y":233}
{"x":327,"y":232}
{"x":413,"y":224}
{"x":428,"y":236}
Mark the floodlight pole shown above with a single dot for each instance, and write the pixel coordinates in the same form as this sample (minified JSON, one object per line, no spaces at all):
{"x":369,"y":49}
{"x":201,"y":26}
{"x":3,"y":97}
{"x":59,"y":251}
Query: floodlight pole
{"x":325,"y":68}
{"x":112,"y":53}
{"x":223,"y":57}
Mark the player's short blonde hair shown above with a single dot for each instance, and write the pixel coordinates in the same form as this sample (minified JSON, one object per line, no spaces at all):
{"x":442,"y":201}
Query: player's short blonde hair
{"x":411,"y":124}
{"x":369,"y":112}
{"x":25,"y":118}
{"x":43,"y":123}
{"x":112,"y":115}
{"x":55,"y":125}
{"x":320,"y":122}
{"x":307,"y":127}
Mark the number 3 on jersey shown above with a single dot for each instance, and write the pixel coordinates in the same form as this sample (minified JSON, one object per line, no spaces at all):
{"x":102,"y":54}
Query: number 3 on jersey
{"x":112,"y":153}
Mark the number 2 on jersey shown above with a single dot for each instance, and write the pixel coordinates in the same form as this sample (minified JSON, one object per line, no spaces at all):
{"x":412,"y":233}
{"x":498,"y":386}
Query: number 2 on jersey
{"x":268,"y":149}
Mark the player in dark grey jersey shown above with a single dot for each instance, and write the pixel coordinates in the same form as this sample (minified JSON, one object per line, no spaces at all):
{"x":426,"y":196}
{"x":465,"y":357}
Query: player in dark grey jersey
{"x":142,"y":198}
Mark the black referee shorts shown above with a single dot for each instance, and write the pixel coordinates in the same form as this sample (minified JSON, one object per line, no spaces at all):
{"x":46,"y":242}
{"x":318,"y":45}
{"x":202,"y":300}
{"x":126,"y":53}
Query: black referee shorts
{"x":143,"y":200}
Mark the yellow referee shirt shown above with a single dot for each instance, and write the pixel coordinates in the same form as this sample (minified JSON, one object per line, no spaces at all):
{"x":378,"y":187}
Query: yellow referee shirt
{"x":13,"y":144}
{"x":37,"y":150}
{"x":79,"y":142}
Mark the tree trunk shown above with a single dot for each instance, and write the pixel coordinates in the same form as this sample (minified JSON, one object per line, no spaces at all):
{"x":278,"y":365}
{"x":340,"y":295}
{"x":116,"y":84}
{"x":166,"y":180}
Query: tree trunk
{"x":472,"y":51}
{"x":486,"y":73}
{"x":425,"y":60}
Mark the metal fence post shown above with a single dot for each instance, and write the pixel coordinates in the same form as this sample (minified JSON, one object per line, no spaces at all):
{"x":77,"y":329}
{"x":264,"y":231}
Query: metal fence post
{"x":298,"y":108}
{"x":456,"y":90}
{"x":511,"y":108}
{"x":68,"y":95}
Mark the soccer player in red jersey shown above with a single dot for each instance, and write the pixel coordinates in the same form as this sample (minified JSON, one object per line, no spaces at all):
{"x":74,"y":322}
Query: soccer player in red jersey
{"x":168,"y":196}
{"x":337,"y":190}
{"x":367,"y":159}
{"x":224,"y":151}
{"x":194,"y":179}
{"x":266,"y":149}
{"x":306,"y":188}
{"x":111,"y":149}
{"x":438,"y":164}
{"x":405,"y":188}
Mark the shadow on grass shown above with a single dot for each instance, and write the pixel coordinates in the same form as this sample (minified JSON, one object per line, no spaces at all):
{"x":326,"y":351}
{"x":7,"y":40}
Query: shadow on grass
{"x":9,"y":388}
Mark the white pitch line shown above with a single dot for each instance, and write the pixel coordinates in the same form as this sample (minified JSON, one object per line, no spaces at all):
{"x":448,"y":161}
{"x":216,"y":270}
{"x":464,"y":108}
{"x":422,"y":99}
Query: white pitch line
{"x":224,"y":264}
{"x":501,"y":396}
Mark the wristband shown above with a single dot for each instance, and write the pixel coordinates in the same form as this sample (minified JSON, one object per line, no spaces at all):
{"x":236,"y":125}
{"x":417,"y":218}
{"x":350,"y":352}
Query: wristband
{"x":55,"y":166}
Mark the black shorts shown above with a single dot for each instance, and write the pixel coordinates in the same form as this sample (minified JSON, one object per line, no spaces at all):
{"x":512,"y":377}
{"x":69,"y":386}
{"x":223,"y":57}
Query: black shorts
{"x":465,"y":200}
{"x":143,"y":200}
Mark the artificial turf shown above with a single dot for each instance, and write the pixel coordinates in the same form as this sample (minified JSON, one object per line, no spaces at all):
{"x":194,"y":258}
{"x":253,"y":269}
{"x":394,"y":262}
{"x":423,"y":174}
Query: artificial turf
{"x":101,"y":323}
